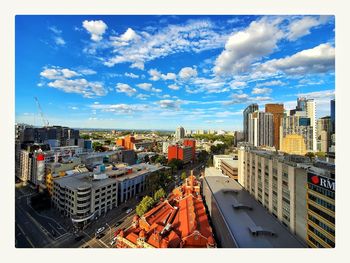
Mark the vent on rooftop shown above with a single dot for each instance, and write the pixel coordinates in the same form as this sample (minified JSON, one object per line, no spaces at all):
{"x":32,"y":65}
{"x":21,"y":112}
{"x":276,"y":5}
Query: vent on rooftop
{"x":230,"y":191}
{"x":259,"y":231}
{"x":241,"y":206}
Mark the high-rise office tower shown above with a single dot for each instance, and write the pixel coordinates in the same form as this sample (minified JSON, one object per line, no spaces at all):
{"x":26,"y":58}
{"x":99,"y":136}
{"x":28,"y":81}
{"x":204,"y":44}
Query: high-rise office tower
{"x":301,"y":104}
{"x":180,"y":133}
{"x":278,"y":111}
{"x":260,"y":128}
{"x":311,"y":113}
{"x":250,"y":109}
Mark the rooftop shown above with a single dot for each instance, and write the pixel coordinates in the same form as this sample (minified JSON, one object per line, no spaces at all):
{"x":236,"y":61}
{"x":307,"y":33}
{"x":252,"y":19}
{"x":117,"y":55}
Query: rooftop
{"x":211,"y":171}
{"x":249,"y":222}
{"x":232,"y":163}
{"x":75,"y":181}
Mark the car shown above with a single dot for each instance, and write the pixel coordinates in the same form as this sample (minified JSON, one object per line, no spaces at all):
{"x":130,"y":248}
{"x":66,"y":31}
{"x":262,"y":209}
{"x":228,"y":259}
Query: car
{"x":78,"y":238}
{"x":125,"y":208}
{"x":118,"y":223}
{"x":100,"y":230}
{"x":112,"y":242}
{"x":100,"y":235}
{"x":129,"y":210}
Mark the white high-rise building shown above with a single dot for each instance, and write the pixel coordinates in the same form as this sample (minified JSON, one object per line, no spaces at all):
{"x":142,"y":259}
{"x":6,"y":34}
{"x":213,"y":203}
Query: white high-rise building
{"x":260,"y":128}
{"x":311,"y":113}
{"x":180,"y":133}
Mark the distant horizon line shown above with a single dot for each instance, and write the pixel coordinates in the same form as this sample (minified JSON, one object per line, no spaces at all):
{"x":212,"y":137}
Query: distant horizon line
{"x":123,"y":129}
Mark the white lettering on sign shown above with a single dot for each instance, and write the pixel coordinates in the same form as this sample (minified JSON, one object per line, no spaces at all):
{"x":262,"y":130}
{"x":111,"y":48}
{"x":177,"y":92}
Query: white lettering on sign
{"x":327,"y":183}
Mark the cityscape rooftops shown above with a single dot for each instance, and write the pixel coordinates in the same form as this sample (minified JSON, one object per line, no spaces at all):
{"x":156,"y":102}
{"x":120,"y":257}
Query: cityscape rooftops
{"x":250,"y":224}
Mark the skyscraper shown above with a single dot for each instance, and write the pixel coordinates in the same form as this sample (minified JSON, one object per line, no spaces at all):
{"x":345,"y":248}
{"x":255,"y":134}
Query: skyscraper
{"x":260,"y":128}
{"x":278,"y":111}
{"x":311,"y":113}
{"x":301,"y":104}
{"x":250,"y":109}
{"x":180,"y":133}
{"x":333,"y":115}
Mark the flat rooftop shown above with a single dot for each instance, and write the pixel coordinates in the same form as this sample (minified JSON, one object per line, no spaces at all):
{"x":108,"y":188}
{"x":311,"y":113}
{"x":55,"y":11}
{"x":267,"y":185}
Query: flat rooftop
{"x":83,"y":180}
{"x":212,"y":171}
{"x":231,"y":162}
{"x":244,"y":215}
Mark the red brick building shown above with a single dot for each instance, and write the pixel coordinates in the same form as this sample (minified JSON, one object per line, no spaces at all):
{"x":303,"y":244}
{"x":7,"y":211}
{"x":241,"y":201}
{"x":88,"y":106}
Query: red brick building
{"x":192,"y":144}
{"x":184,"y":153}
{"x":178,"y":222}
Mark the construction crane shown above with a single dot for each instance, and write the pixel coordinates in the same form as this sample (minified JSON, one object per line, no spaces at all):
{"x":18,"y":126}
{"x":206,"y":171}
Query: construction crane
{"x":46,"y":123}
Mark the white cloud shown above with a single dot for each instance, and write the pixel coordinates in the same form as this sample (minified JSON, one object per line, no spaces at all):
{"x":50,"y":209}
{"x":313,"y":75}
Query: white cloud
{"x":131,"y":75}
{"x":125,"y":88}
{"x":187,"y":73}
{"x":195,"y":36}
{"x":271,"y":83}
{"x":80,"y":86}
{"x":96,"y":28}
{"x":120,"y":108}
{"x":58,"y":73}
{"x":74,"y":108}
{"x":129,"y":35}
{"x":169,"y":104}
{"x":302,"y":26}
{"x":257,"y":91}
{"x":237,"y":85}
{"x":240,"y":98}
{"x":142,"y":96}
{"x":59,"y":41}
{"x":145,"y":86}
{"x":247,"y":46}
{"x":173,"y":87}
{"x":87,"y":71}
{"x":155,"y":74}
{"x":320,"y":59}
{"x":148,"y":87}
{"x":169,"y":76}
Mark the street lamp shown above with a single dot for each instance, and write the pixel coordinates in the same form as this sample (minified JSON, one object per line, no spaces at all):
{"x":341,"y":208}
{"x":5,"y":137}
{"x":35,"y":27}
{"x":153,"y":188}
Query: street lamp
{"x":110,"y":231}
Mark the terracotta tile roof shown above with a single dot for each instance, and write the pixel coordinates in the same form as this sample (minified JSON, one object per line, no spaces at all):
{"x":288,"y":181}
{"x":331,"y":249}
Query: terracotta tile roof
{"x":180,"y":221}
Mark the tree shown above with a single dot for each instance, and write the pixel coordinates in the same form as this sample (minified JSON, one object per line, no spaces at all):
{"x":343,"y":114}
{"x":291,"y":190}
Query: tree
{"x":159,"y":194}
{"x":183,"y":176}
{"x":161,"y":159}
{"x":311,"y":155}
{"x":202,"y":156}
{"x":146,"y":203}
{"x":97,"y":146}
{"x":320,"y":154}
{"x":146,"y":159}
{"x":210,"y":161}
{"x":154,"y":158}
{"x":176,"y":164}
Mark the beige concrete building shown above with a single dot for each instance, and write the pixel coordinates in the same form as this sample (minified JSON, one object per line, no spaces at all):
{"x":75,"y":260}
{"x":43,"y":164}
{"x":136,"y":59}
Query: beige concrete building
{"x":278,"y":184}
{"x":293,"y":144}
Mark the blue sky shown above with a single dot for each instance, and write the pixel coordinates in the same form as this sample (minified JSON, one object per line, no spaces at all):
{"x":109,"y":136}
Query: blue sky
{"x":159,"y":72}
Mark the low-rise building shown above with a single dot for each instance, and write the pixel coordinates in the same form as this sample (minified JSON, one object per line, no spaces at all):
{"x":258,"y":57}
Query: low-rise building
{"x":230,"y":168}
{"x":217,"y":159}
{"x":82,"y":197}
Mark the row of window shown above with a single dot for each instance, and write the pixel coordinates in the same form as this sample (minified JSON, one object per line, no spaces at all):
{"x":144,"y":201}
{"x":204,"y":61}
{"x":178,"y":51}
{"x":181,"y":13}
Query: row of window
{"x":330,"y":230}
{"x":321,"y":213}
{"x":321,"y":236}
{"x":321,"y":202}
{"x":322,"y":190}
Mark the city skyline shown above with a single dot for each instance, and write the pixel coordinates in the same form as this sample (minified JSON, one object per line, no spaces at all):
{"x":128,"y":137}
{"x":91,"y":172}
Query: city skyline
{"x":159,"y":72}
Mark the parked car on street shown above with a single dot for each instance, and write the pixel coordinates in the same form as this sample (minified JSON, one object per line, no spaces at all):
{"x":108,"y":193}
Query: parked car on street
{"x":129,"y":210}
